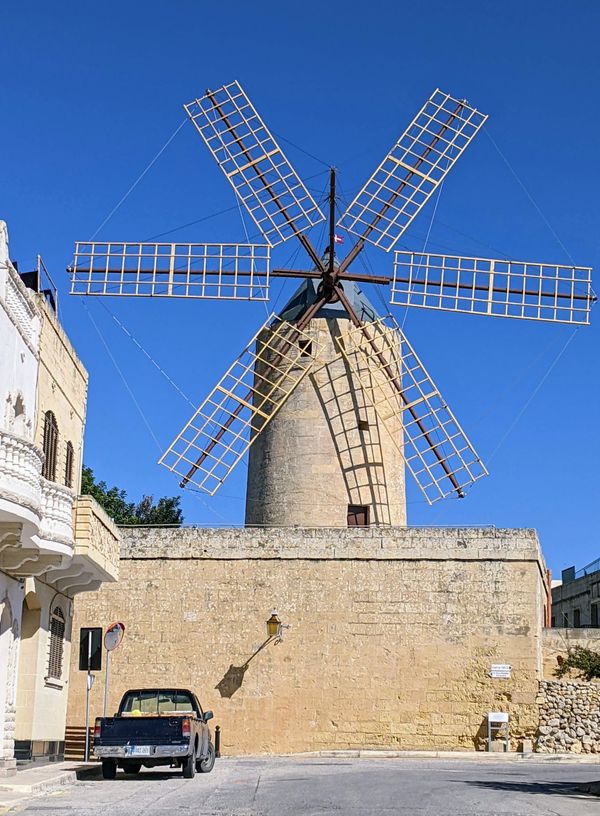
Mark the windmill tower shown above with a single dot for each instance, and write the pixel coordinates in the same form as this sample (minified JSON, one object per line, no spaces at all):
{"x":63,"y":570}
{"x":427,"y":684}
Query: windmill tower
{"x":330,"y":400}
{"x":325,"y":459}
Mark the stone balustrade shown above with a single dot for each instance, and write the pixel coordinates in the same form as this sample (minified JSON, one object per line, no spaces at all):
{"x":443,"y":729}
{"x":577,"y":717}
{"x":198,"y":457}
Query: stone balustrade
{"x":20,"y":474}
{"x":57,"y":513}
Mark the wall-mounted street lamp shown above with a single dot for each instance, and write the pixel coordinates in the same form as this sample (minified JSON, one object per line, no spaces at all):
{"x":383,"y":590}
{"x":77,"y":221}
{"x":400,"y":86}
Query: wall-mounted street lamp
{"x":275,"y":627}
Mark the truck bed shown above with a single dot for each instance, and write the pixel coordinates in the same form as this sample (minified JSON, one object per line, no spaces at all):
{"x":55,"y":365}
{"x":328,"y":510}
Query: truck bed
{"x":152,"y":730}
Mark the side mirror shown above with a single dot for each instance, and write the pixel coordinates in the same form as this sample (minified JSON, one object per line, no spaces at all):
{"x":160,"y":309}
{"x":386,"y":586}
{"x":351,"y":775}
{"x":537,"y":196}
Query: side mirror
{"x":208,"y":715}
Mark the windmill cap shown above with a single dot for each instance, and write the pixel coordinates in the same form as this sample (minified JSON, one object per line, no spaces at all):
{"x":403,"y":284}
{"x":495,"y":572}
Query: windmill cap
{"x":306,"y":295}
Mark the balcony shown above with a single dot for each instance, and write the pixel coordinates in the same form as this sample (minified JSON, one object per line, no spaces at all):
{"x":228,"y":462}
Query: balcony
{"x":97,"y":550}
{"x":20,"y":481}
{"x":56,"y":525}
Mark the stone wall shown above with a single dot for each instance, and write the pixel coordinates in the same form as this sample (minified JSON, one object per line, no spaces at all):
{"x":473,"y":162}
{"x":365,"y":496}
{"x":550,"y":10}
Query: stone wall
{"x":62,"y":389}
{"x":569,"y":717}
{"x":392,"y":632}
{"x":558,"y":642}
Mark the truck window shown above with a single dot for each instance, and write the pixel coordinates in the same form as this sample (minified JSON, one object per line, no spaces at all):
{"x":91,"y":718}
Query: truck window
{"x":155,"y":702}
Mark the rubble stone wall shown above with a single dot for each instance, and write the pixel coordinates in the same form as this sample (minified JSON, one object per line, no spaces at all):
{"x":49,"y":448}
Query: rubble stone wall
{"x":569,"y":717}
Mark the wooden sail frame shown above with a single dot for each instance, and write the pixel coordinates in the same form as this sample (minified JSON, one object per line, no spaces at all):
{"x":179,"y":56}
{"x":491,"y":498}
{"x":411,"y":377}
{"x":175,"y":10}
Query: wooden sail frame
{"x":433,"y":445}
{"x":245,"y":399}
{"x":209,"y":271}
{"x":555,"y":293}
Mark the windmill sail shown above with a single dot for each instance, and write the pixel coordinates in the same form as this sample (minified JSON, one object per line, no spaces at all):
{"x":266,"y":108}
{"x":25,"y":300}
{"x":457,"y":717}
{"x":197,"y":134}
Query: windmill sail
{"x":254,"y":164}
{"x":521,"y":289}
{"x":246,"y":398}
{"x":207,"y":271}
{"x":411,"y":171}
{"x":440,"y":457}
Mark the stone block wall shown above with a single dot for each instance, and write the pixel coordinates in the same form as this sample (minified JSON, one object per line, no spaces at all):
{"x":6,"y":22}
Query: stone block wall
{"x":393,"y":633}
{"x":569,"y":717}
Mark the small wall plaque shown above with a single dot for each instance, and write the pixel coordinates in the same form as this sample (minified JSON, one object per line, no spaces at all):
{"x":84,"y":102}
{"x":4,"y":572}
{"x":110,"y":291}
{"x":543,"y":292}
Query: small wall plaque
{"x":501,"y":671}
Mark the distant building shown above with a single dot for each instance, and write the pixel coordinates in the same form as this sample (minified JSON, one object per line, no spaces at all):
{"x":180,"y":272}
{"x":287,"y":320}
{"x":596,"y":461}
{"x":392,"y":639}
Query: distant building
{"x":54,"y":544}
{"x":576,"y":600}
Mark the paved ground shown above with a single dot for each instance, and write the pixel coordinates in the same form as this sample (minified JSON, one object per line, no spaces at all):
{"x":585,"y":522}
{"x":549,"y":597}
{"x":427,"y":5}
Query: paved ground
{"x":349,"y":787}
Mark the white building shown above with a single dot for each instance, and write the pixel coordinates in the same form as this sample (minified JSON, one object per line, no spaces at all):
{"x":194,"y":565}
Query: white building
{"x":52,"y":544}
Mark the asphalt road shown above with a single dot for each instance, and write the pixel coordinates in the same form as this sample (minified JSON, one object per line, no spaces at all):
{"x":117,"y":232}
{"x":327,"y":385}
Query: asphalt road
{"x":349,"y":787}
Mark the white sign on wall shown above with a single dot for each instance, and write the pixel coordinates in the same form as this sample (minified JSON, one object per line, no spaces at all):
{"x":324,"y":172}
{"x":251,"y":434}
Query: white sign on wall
{"x":501,"y":671}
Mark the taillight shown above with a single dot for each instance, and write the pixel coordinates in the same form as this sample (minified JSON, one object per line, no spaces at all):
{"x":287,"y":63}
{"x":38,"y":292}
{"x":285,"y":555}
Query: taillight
{"x":97,"y":728}
{"x":186,"y":727}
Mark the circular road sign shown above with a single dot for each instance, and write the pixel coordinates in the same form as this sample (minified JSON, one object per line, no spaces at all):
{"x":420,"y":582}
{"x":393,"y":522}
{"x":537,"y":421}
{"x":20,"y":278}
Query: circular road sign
{"x":113,"y":636}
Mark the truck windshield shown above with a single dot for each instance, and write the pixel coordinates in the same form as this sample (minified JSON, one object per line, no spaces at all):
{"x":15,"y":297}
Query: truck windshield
{"x":157,"y":701}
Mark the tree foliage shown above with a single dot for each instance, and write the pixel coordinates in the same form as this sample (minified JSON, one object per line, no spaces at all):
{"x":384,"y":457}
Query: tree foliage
{"x":115,"y":502}
{"x":581,"y":660}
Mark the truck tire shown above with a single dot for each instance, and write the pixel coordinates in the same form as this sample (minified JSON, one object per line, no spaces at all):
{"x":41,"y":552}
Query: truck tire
{"x":189,"y":766}
{"x":208,"y":763}
{"x":109,"y":769}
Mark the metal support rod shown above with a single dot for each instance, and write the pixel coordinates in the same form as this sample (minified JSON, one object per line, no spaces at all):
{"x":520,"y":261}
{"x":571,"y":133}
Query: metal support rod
{"x":86,"y":756}
{"x":302,"y":238}
{"x":313,"y":273}
{"x":106,"y":680}
{"x":398,"y":385}
{"x":331,"y":221}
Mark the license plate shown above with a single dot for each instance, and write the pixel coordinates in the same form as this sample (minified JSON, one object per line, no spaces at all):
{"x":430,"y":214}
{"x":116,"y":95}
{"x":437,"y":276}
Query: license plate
{"x":137,"y":750}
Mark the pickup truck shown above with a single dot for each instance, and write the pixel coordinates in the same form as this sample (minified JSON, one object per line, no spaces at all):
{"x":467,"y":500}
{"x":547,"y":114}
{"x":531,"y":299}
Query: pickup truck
{"x":155,"y":726}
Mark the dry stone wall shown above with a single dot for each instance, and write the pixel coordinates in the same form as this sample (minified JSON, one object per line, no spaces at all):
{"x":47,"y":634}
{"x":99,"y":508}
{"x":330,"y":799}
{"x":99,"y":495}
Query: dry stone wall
{"x":569,"y":717}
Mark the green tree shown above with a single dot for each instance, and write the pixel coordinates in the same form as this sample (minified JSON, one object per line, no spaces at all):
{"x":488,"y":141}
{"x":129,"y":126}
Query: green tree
{"x":114,"y":501}
{"x":579,"y":659}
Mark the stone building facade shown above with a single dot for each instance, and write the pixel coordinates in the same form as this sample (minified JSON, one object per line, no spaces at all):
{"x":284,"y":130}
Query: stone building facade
{"x":44,"y":560}
{"x":576,"y":599}
{"x":393,"y":632}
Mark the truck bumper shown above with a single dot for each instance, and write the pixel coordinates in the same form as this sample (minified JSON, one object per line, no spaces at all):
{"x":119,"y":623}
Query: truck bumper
{"x":125,"y":752}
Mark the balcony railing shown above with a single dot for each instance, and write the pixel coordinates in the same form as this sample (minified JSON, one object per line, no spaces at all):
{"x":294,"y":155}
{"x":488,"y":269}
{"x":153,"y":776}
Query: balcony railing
{"x":57,"y":513}
{"x":20,"y":469}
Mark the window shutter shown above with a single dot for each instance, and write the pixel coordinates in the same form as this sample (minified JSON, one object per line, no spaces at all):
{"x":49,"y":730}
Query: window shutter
{"x":57,"y":641}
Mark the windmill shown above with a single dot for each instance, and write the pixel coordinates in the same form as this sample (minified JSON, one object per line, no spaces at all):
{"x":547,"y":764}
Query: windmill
{"x":286,"y":352}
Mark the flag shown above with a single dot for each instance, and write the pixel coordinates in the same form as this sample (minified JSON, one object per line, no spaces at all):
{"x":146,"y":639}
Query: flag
{"x":338,"y":239}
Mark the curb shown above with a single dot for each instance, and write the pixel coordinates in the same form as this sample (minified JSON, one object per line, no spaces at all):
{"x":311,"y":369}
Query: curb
{"x":465,"y":756}
{"x":59,"y":780}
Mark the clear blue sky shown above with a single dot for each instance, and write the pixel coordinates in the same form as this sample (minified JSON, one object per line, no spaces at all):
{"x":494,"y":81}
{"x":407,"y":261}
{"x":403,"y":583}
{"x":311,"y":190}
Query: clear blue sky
{"x":91,"y":91}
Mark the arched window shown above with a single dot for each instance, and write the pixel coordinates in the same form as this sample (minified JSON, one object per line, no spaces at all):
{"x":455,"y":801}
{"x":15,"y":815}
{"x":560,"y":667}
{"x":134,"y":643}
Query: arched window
{"x":69,"y":465}
{"x":50,"y":445}
{"x":57,"y":641}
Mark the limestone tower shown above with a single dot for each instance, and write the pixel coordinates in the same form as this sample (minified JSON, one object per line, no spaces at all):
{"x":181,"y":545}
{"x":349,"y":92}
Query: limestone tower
{"x":325,"y":459}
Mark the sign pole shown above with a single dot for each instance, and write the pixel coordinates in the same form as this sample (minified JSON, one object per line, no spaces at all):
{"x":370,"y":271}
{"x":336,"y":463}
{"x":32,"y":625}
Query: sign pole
{"x":106,"y":678}
{"x":87,"y":700}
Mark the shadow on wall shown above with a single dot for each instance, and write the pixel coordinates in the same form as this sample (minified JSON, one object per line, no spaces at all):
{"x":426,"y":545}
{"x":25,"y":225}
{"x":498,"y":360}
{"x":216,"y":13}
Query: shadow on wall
{"x":234,"y":676}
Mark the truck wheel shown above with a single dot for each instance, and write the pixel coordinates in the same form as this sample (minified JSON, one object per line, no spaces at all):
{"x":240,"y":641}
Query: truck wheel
{"x":109,"y":769}
{"x":208,"y":763}
{"x":189,"y":766}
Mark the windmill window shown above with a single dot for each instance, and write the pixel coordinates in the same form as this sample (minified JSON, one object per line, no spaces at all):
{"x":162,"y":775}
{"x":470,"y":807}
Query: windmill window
{"x":305,"y":347}
{"x":358,"y":515}
{"x":363,"y":424}
{"x":57,"y":642}
{"x":577,"y":618}
{"x":50,"y":444}
{"x":594,"y":610}
{"x":69,"y":465}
